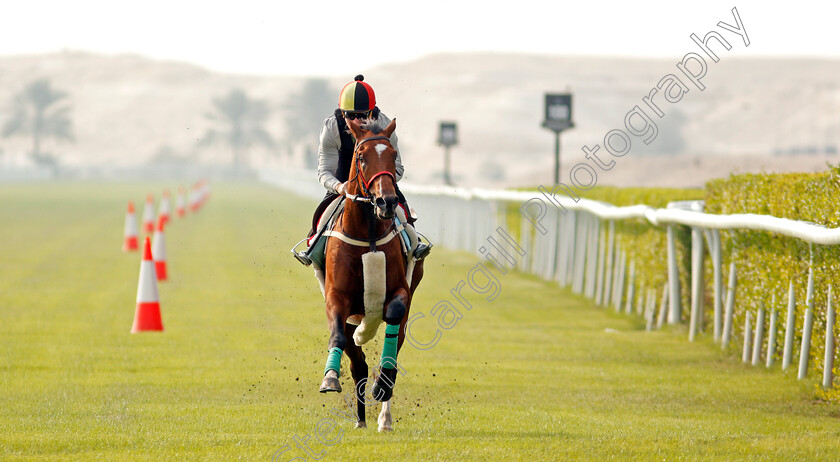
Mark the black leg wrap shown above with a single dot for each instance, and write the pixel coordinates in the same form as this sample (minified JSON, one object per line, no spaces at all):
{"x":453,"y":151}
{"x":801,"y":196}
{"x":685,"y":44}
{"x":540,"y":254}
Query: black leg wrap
{"x":394,"y":312}
{"x":383,"y":388}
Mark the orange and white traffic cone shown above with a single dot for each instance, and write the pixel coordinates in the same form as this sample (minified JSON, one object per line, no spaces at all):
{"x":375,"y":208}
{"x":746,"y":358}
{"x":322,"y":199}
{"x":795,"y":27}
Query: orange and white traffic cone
{"x":180,"y":203}
{"x":194,"y":198}
{"x":147,"y":315}
{"x":159,"y":250}
{"x":149,"y":214}
{"x":163,"y":210}
{"x":200,"y":194}
{"x":130,"y":229}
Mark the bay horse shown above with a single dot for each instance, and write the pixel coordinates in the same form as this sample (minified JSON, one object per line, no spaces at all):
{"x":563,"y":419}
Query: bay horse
{"x":365,"y":272}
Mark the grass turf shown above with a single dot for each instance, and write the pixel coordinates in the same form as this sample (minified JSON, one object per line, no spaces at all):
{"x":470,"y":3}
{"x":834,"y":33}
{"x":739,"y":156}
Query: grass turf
{"x":536,"y":374}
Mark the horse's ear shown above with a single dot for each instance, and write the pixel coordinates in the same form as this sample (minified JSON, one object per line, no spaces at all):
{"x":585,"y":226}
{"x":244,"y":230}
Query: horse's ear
{"x":390,"y":128}
{"x":357,"y":131}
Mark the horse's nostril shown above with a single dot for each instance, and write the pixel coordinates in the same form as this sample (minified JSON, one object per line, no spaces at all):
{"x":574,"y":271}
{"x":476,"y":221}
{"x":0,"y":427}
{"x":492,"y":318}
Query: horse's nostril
{"x":385,"y":206}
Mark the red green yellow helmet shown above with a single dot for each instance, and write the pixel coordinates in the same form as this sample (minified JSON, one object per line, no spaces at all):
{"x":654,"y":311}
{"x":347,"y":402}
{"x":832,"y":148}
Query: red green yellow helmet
{"x":357,"y":96}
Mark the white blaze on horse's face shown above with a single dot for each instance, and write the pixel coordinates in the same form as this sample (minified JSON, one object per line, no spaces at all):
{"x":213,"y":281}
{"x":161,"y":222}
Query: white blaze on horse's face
{"x":380,"y":148}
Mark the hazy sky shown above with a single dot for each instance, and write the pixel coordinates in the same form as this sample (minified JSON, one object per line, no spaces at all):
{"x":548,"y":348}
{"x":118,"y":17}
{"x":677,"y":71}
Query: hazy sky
{"x":327,"y":37}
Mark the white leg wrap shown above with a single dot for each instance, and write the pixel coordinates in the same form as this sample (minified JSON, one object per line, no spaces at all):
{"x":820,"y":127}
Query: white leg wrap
{"x":373,"y":270}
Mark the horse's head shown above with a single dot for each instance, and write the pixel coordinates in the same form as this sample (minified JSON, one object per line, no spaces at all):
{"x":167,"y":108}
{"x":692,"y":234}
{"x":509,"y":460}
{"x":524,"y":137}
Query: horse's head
{"x":374,"y":167}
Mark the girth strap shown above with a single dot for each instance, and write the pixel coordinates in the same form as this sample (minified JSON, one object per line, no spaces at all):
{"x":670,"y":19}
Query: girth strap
{"x":359,"y":243}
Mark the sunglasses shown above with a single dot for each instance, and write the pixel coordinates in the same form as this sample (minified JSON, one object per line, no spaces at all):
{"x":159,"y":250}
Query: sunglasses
{"x":357,"y":115}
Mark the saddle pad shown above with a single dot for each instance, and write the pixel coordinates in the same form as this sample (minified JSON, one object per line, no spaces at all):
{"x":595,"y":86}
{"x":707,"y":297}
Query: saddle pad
{"x":328,"y":217}
{"x":318,"y":247}
{"x":407,"y":234}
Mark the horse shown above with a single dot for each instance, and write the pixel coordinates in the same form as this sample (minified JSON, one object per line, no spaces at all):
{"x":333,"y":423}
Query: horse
{"x":364,"y":244}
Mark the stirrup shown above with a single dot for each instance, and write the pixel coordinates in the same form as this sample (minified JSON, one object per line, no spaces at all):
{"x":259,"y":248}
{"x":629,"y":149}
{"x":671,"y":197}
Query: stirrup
{"x":302,"y":257}
{"x":422,"y":250}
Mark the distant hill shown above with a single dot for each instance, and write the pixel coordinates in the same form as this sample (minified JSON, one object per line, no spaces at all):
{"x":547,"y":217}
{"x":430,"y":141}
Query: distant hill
{"x":772,"y":114}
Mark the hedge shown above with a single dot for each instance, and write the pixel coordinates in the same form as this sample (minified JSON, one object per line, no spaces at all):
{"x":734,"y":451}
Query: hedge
{"x":767,"y":262}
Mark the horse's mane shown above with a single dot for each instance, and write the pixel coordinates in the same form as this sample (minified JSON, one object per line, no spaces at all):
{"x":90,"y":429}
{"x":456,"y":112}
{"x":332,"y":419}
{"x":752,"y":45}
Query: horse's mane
{"x":377,"y":125}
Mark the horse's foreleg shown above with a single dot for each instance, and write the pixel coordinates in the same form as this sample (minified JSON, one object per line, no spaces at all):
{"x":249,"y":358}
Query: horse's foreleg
{"x":385,"y":422}
{"x":337,"y":317}
{"x":394,"y":314}
{"x":359,"y":369}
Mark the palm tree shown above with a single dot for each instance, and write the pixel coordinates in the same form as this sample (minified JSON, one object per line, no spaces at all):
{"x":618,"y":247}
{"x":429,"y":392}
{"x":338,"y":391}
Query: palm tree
{"x":308,"y":109}
{"x":37,"y":114}
{"x":240,"y":122}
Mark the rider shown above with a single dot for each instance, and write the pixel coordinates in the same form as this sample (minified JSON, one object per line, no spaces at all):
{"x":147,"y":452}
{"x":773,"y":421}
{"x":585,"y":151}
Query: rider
{"x":356,"y":105}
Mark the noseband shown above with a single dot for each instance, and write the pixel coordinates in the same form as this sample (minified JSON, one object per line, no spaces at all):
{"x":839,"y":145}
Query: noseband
{"x":365,"y":183}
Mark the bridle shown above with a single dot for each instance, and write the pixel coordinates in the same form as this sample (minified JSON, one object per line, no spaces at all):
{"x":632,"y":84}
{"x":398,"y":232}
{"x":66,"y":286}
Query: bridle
{"x":368,"y":197}
{"x":360,"y":176}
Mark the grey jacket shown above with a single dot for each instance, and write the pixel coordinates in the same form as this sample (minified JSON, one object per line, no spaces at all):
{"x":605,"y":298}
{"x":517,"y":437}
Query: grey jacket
{"x":329,"y":148}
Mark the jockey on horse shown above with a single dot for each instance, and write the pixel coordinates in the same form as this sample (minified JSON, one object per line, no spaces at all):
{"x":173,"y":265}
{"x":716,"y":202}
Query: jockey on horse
{"x":373,"y":261}
{"x":356,"y":105}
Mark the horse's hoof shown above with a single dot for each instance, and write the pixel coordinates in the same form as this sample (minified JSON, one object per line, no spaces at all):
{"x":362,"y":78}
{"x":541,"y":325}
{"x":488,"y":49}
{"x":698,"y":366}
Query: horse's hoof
{"x":385,"y":428}
{"x":361,"y":424}
{"x":383,"y":388}
{"x":330,"y":382}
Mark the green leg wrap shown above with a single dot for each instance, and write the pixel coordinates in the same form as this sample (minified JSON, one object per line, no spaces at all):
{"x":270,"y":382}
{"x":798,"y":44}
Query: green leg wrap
{"x":333,"y":360}
{"x":389,"y":347}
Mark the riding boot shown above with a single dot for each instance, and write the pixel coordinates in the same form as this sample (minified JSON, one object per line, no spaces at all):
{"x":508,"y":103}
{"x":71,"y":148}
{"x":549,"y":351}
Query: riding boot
{"x":304,"y":256}
{"x":422,"y":249}
{"x":319,"y":275}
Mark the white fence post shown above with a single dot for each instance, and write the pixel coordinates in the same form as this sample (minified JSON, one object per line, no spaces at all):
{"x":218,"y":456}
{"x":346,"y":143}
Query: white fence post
{"x":593,"y":251}
{"x":771,"y":338}
{"x":616,"y":273}
{"x":828,"y":364}
{"x":805,"y":350}
{"x":619,"y":292}
{"x":610,"y":263}
{"x":745,"y":357}
{"x":730,"y":306}
{"x":527,"y":244}
{"x":673,"y":278}
{"x":602,"y":258}
{"x":572,"y":250}
{"x":553,"y":240}
{"x":580,"y":253}
{"x":759,"y":333}
{"x":787,"y":356}
{"x":718,"y":275}
{"x":663,"y":307}
{"x":631,"y":287}
{"x":697,"y":283}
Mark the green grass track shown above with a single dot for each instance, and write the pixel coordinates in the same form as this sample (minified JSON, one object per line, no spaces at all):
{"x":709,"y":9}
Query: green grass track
{"x":536,"y":374}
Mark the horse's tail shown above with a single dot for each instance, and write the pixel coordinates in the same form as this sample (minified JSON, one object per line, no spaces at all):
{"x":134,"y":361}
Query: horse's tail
{"x":373,"y":271}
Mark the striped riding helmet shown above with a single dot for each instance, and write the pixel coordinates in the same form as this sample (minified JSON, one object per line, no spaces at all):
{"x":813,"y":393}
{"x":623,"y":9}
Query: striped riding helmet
{"x":357,"y":96}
